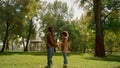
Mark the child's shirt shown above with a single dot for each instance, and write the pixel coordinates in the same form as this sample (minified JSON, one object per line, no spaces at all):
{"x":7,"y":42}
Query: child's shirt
{"x":64,"y":44}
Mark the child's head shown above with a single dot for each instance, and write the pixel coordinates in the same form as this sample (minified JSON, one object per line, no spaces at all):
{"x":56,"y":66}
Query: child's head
{"x":64,"y":34}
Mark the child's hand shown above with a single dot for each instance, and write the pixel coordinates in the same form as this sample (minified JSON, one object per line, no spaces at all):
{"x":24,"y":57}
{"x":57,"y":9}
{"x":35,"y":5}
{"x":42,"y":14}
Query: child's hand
{"x":60,"y":43}
{"x":56,"y":45}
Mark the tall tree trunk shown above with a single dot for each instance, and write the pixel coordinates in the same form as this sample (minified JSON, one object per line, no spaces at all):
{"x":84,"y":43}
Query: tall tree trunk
{"x":99,"y":42}
{"x":29,"y":35}
{"x":27,"y":42}
{"x":7,"y":44}
{"x":6,"y":37}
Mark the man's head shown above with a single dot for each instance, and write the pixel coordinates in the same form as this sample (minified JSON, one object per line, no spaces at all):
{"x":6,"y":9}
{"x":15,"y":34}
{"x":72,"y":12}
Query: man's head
{"x":50,"y":29}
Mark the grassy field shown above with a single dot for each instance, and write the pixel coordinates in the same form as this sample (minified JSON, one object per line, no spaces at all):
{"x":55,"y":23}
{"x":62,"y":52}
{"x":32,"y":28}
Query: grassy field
{"x":38,"y":60}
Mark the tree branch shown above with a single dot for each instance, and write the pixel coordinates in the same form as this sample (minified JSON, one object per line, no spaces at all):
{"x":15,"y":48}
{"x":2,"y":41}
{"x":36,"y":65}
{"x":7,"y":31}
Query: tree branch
{"x":115,"y":9}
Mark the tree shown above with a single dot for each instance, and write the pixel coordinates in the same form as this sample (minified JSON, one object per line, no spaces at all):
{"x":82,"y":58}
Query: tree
{"x":30,"y":32}
{"x":99,"y":42}
{"x":99,"y":45}
{"x":33,"y":11}
{"x":110,"y":15}
{"x":7,"y":15}
{"x":56,"y":15}
{"x":14,"y":12}
{"x":59,"y":16}
{"x":75,"y":37}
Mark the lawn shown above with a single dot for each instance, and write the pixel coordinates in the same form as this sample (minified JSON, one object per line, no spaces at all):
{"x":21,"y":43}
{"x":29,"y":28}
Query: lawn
{"x":38,"y":60}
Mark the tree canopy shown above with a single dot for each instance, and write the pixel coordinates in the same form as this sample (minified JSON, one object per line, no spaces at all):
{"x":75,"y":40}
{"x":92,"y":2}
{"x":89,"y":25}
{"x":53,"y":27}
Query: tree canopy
{"x":99,"y":22}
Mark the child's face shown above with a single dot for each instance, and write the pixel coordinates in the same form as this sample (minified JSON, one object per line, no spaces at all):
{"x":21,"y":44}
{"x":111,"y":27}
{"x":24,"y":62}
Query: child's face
{"x":63,"y":35}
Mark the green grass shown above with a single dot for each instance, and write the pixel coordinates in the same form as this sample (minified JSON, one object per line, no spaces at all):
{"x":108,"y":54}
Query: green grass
{"x":38,"y":60}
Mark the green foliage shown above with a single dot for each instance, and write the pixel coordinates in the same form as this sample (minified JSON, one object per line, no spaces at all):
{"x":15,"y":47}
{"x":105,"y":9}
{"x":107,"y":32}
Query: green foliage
{"x":15,"y":11}
{"x":75,"y":36}
{"x":110,"y":20}
{"x":56,"y":15}
{"x":111,"y":15}
{"x":111,"y":41}
{"x":15,"y":15}
{"x":19,"y":13}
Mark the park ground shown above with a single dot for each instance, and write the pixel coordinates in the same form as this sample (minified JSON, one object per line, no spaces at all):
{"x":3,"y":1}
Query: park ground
{"x":76,"y":60}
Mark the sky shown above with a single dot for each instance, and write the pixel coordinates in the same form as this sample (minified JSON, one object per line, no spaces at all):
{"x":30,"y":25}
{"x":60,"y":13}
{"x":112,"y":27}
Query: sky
{"x":77,"y":11}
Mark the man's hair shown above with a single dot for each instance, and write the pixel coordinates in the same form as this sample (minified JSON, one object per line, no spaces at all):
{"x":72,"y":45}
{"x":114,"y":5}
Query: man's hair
{"x":50,"y":29}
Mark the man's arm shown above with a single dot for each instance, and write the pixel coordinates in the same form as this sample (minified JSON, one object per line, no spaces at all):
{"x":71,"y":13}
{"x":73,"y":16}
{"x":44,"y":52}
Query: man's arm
{"x":51,"y":40}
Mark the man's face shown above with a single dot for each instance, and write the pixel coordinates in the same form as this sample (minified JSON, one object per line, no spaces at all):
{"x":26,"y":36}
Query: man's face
{"x":51,"y":30}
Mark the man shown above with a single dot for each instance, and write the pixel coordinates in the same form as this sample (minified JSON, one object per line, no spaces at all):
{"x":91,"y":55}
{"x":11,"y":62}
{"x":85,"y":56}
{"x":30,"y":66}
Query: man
{"x":51,"y":44}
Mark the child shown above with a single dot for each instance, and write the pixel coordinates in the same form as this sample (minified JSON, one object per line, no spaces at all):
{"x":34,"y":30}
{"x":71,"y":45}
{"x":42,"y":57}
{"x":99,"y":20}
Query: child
{"x":64,"y":47}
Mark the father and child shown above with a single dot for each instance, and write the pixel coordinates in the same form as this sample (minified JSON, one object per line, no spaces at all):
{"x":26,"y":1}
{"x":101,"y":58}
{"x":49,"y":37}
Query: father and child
{"x":51,"y":44}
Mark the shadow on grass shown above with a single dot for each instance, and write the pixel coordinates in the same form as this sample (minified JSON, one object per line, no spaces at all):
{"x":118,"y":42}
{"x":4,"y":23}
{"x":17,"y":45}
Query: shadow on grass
{"x":55,"y":67}
{"x":109,"y":58}
{"x":23,"y":53}
{"x":47,"y":67}
{"x":117,"y":67}
{"x":36,"y":53}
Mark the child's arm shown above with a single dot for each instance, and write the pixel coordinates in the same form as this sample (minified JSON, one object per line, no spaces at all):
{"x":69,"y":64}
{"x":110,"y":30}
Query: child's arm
{"x":64,"y":42}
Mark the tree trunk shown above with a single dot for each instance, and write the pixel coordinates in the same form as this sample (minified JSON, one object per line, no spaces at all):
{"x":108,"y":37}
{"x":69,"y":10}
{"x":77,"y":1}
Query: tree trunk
{"x":111,"y":51}
{"x":12,"y":47}
{"x":23,"y":42}
{"x":29,"y":35}
{"x":7,"y":45}
{"x":6,"y":37}
{"x":84,"y":45}
{"x":27,"y":42}
{"x":4,"y":44}
{"x":99,"y":42}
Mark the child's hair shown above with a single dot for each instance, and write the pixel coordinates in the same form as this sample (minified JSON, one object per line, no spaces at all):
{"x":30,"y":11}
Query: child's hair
{"x":65,"y":33}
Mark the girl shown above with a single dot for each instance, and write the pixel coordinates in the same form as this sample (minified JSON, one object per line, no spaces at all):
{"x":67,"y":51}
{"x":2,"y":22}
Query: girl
{"x":64,"y":46}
